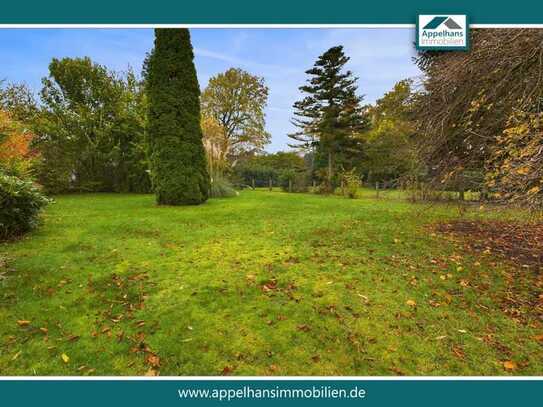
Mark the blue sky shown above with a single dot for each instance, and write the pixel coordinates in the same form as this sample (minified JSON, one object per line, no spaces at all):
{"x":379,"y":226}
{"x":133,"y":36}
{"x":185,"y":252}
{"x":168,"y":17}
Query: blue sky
{"x":379,"y":57}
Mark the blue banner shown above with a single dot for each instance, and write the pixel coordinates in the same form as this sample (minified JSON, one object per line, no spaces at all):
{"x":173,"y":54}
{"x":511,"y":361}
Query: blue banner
{"x":277,"y":12}
{"x":164,"y":393}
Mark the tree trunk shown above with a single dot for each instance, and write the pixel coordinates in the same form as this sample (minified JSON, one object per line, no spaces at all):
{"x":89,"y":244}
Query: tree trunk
{"x":483,"y":195}
{"x":330,"y":171}
{"x":270,"y":184}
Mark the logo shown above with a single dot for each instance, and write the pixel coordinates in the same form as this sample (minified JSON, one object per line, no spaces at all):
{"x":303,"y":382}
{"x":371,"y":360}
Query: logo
{"x":442,"y":32}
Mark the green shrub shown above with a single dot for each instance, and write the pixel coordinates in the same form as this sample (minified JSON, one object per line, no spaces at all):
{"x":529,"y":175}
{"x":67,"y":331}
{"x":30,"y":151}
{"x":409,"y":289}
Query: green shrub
{"x":19,"y":168}
{"x":221,"y":188}
{"x":20,"y":204}
{"x":352,"y":183}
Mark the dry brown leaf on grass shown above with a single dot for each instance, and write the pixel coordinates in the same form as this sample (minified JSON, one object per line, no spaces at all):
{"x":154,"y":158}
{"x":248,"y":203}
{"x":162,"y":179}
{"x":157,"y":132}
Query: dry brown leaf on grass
{"x":227,"y":370}
{"x":304,"y":328}
{"x":153,"y":360}
{"x":23,"y":322}
{"x":458,"y":352}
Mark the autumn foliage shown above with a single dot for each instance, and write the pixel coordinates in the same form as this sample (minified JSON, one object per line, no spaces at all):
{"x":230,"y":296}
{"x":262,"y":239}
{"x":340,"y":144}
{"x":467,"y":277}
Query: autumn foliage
{"x":479,"y":115}
{"x":517,"y":160}
{"x":16,"y":154}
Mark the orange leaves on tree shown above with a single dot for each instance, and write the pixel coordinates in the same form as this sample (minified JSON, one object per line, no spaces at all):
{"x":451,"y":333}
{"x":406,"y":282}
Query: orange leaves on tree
{"x":15,"y":144}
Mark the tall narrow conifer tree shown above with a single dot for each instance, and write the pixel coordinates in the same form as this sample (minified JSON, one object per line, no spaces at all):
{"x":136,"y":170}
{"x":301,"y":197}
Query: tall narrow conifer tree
{"x":177,"y":156}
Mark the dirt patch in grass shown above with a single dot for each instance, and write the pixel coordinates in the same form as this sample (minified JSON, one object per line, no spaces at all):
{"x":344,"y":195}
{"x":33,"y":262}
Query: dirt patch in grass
{"x":517,"y":242}
{"x":521,"y":245}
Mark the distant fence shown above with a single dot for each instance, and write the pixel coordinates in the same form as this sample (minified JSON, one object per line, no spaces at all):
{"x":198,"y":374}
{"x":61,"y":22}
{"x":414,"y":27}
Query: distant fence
{"x":391,"y":189}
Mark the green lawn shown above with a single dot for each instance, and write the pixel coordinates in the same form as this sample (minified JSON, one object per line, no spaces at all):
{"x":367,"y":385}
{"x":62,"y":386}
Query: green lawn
{"x":267,"y":283}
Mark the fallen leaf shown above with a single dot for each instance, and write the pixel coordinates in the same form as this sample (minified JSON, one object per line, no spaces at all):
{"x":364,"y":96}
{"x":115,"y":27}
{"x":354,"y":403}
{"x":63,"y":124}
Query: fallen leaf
{"x":304,"y":328}
{"x":23,"y":322}
{"x":269,"y":286}
{"x":153,"y":360}
{"x":397,"y":371}
{"x":459,"y":353}
{"x":509,"y":365}
{"x":65,"y":358}
{"x":151,"y":372}
{"x":411,"y":303}
{"x":434,"y":304}
{"x":227,"y":370}
{"x":16,"y":355}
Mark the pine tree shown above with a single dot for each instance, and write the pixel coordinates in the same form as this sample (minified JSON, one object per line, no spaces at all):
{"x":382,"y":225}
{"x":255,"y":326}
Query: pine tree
{"x":177,"y":156}
{"x":330,"y":115}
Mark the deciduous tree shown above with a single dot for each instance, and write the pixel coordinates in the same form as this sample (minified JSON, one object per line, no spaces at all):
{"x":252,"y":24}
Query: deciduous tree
{"x":471,"y":112}
{"x":236,"y":100}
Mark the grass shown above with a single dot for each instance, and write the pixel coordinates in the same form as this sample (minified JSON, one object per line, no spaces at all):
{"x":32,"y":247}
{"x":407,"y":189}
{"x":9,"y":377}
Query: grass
{"x":266,"y":283}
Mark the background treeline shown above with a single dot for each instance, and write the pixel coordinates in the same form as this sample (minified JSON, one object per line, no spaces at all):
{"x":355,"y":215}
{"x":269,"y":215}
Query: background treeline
{"x":471,"y":124}
{"x":87,"y":129}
